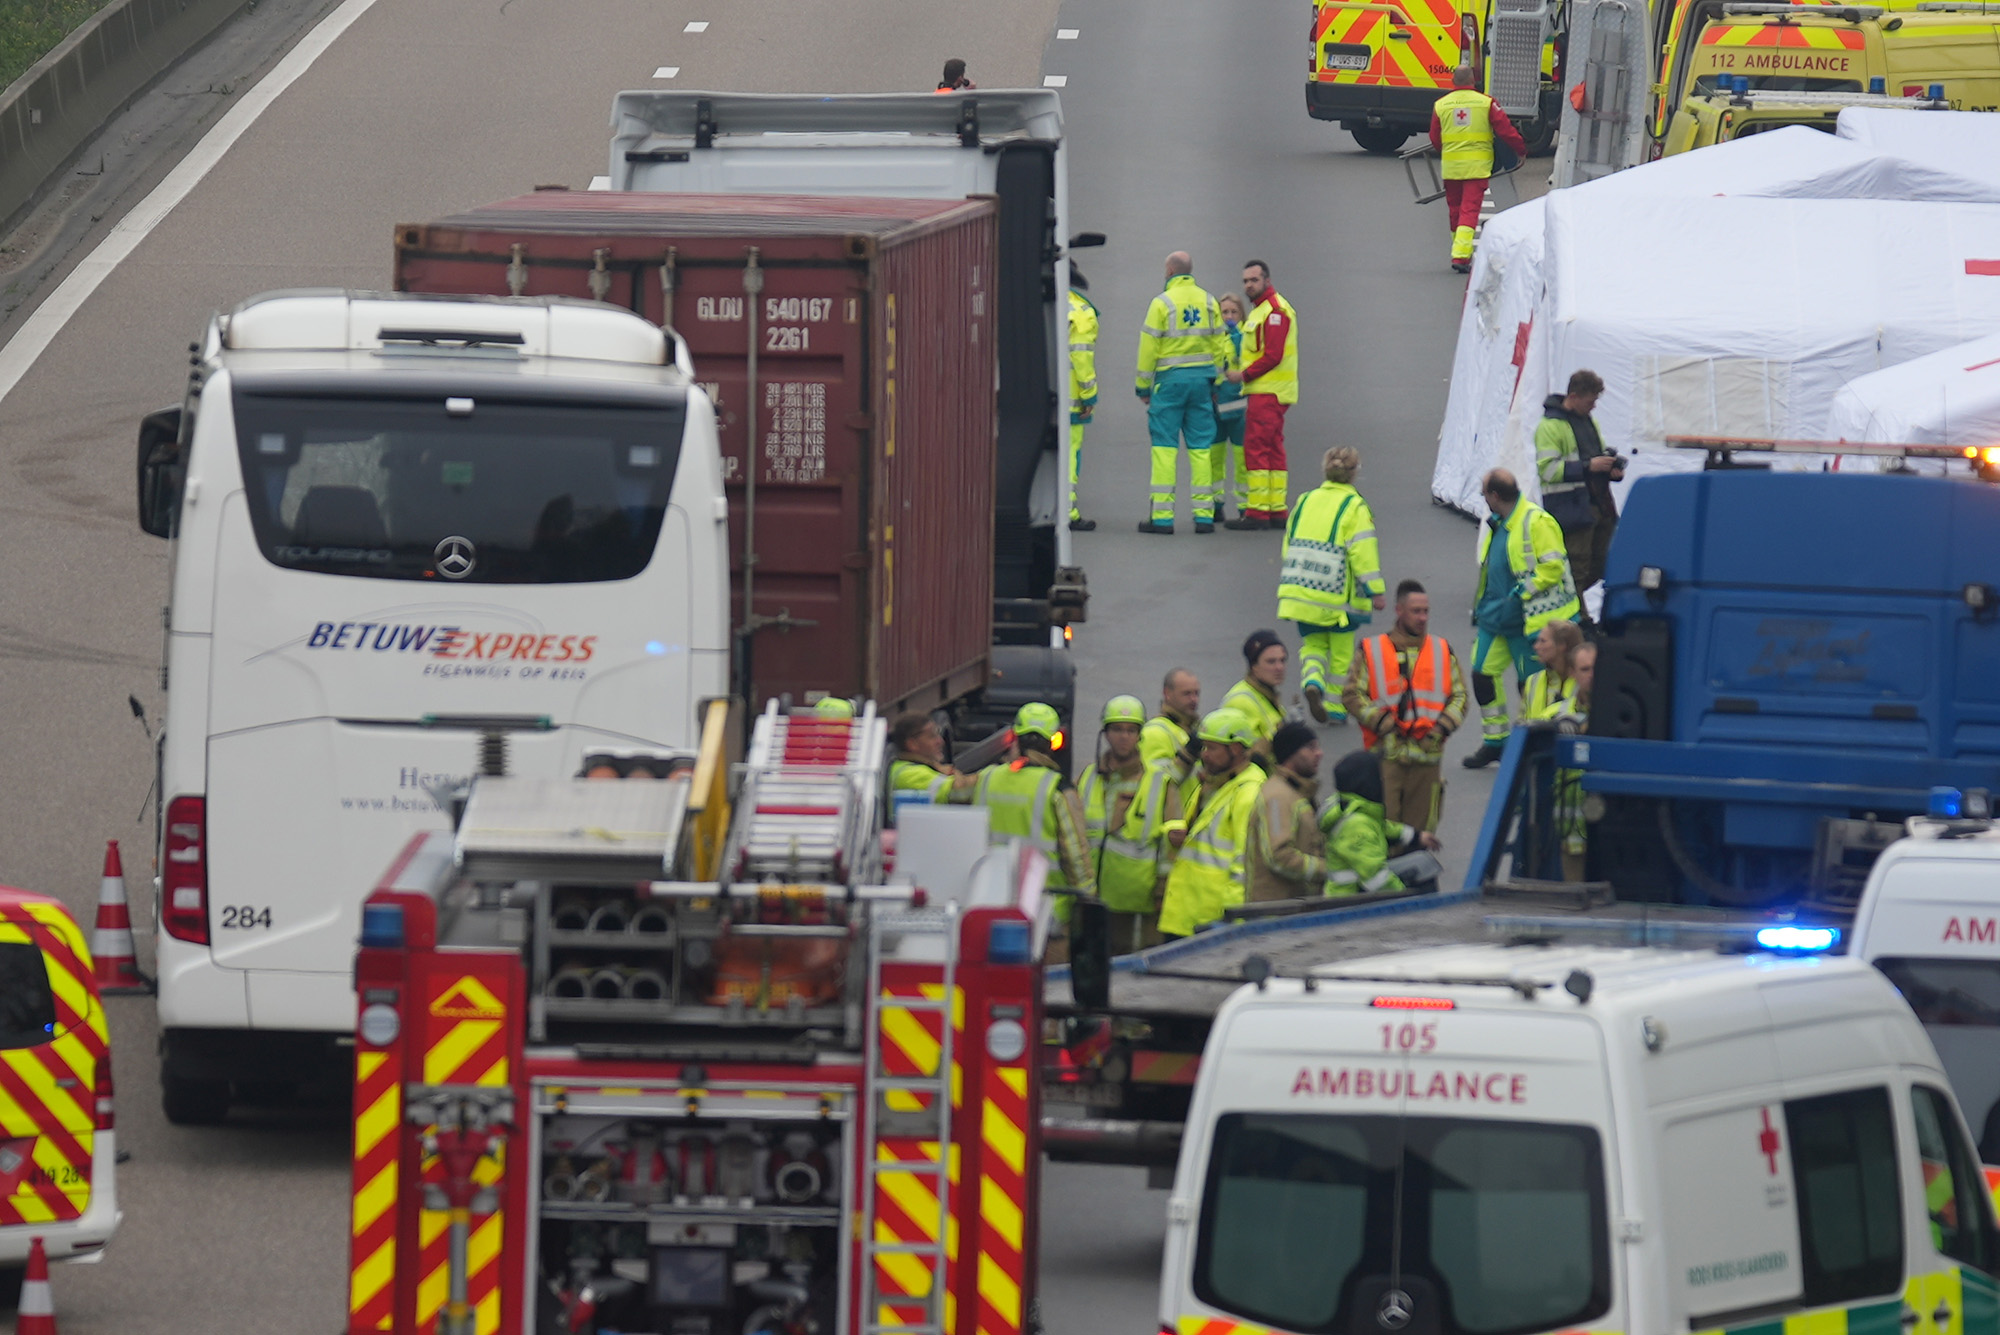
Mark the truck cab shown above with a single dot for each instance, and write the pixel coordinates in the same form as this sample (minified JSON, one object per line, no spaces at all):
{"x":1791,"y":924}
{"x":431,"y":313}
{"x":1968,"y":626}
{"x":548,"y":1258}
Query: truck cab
{"x":1541,"y":1137}
{"x":1927,"y":921}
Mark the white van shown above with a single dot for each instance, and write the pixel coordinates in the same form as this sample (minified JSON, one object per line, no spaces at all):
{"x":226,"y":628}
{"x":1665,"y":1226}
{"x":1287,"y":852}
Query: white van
{"x":400,"y":524}
{"x":1507,"y":1140}
{"x":1930,"y":919}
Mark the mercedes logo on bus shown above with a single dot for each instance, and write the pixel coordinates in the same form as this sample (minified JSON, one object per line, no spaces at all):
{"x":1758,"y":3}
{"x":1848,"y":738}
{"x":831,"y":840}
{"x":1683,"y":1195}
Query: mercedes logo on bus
{"x":455,"y":557}
{"x":1395,"y":1311}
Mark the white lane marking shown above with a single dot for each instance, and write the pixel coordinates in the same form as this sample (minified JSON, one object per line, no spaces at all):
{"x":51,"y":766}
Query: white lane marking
{"x":1067,"y":34}
{"x":39,"y":330}
{"x":699,"y":25}
{"x":600,"y":183}
{"x":1055,"y":81}
{"x":667,"y":72}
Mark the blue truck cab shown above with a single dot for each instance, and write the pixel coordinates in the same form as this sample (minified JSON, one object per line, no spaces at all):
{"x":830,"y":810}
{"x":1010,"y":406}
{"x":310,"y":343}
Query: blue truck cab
{"x":1790,"y":664}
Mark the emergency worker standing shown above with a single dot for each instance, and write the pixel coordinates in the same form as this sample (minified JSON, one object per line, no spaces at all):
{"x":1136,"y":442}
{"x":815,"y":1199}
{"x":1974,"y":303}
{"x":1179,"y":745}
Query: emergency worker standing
{"x":1270,"y":380}
{"x":1287,"y":853}
{"x":1168,"y":737}
{"x":1407,"y":689}
{"x":917,"y":772}
{"x":1229,"y":409}
{"x":1576,"y":473}
{"x":1330,"y":579}
{"x":1256,"y":696}
{"x":1572,"y":718}
{"x":1126,"y":804}
{"x":1464,"y":125}
{"x":1182,"y":351}
{"x":1551,"y":689}
{"x":953,"y":79}
{"x":1208,"y":869}
{"x":1027,"y":797}
{"x":1082,"y":386}
{"x":1524,"y":584}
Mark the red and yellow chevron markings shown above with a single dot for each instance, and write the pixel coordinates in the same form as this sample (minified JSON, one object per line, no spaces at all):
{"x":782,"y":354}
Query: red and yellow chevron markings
{"x":48,"y":1114}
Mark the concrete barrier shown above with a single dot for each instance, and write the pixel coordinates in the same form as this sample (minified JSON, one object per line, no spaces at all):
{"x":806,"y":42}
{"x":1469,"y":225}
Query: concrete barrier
{"x":50,"y":112}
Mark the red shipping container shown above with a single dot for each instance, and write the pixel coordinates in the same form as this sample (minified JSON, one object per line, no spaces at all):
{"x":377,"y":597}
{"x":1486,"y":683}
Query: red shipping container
{"x":874,"y":410}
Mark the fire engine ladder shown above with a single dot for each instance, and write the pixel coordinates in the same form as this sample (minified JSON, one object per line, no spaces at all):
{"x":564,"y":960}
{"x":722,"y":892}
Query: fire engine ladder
{"x":913,"y":1106}
{"x":810,"y":806}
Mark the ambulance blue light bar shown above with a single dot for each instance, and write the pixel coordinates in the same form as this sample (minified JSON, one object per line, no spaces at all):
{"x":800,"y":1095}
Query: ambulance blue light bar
{"x":1799,"y":940}
{"x":1960,"y":804}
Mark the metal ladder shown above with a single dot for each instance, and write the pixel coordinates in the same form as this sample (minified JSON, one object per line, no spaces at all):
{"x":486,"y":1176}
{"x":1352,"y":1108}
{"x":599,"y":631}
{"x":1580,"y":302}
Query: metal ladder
{"x":939,"y":924}
{"x":808,"y":811}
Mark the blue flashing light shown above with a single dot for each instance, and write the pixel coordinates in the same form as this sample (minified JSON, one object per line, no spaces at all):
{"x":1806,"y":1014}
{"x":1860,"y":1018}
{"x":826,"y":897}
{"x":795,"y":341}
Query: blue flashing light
{"x":655,"y":648}
{"x":1803,"y":939}
{"x":1007,"y":942}
{"x":1877,"y":85}
{"x":1742,"y":85}
{"x":1937,"y":92}
{"x":1946,"y":803}
{"x":382,"y":926}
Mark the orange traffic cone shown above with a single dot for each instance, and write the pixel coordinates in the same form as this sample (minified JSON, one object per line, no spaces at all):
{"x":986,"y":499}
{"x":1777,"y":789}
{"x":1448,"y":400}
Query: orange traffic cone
{"x":37,"y":1313}
{"x":112,"y":960}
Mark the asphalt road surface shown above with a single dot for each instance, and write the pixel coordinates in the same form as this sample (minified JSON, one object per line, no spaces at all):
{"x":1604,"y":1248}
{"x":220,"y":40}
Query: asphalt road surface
{"x":1188,"y":131}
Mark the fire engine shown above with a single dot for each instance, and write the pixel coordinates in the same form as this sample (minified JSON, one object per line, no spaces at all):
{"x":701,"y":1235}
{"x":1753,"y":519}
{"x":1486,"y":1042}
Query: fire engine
{"x":690,"y":1051}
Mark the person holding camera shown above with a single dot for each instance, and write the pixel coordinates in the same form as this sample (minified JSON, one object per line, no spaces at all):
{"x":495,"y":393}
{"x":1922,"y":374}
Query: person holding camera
{"x":1576,"y":472}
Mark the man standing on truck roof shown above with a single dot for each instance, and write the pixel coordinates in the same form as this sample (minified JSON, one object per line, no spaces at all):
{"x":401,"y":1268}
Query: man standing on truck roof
{"x":1027,"y":796}
{"x":1182,"y":353}
{"x":1330,"y":578}
{"x":1126,"y":802}
{"x":1287,"y":854}
{"x":1524,"y":584}
{"x":1082,"y":385}
{"x":917,"y":772}
{"x":1407,"y":689}
{"x":1576,"y":473}
{"x":1464,"y":125}
{"x":1208,"y":872}
{"x":1270,"y":380}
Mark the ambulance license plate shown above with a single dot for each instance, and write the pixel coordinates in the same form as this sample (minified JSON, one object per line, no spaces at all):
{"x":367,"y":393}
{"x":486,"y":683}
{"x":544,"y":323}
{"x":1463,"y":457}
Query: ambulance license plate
{"x":1347,"y":58}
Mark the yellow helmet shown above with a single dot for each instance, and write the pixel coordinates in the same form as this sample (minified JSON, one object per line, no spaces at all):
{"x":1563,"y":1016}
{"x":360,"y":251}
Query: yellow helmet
{"x":1124,"y":709}
{"x":1039,"y":720}
{"x":1226,"y":726}
{"x":834,"y":707}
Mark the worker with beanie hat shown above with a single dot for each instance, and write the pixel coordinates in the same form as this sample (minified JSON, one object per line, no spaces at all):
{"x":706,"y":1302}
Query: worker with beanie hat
{"x":1287,"y":857}
{"x":1361,"y":840}
{"x":1256,"y":696}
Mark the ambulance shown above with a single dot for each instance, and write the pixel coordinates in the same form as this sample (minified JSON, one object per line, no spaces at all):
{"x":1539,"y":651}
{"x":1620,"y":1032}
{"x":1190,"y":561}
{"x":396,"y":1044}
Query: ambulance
{"x":1935,"y":51}
{"x":58,"y":1146}
{"x":1527,"y":1138}
{"x":1718,"y":117}
{"x":406,"y":530}
{"x":1929,"y":919}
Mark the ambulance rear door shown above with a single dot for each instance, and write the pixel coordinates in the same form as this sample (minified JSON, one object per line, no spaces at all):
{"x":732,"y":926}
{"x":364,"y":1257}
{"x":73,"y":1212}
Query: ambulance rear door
{"x":52,"y":1046}
{"x":1932,"y":925}
{"x":1412,"y":44}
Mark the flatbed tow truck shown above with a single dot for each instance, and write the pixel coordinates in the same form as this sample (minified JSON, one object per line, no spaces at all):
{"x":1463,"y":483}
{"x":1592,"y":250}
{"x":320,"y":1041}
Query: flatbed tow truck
{"x":1768,"y":712}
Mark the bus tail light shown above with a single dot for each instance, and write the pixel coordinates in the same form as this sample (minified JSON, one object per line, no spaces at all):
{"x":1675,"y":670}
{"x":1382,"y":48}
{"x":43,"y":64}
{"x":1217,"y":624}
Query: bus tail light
{"x":184,"y":871}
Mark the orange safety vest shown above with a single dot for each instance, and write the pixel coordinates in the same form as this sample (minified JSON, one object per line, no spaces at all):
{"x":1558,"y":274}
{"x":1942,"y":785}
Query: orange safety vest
{"x":1428,"y":690}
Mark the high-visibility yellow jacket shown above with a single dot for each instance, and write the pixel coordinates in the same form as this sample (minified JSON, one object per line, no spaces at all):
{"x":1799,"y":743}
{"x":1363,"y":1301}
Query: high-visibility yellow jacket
{"x":1122,"y":813}
{"x":1163,"y":741}
{"x":1271,"y":349}
{"x":1547,"y":695}
{"x":915,"y":780}
{"x":1026,"y":800}
{"x":1332,"y":566}
{"x":1082,"y":355}
{"x":1534,"y":545}
{"x":1259,"y":708}
{"x":1464,"y":123}
{"x":1208,"y":875}
{"x":1183,"y":329}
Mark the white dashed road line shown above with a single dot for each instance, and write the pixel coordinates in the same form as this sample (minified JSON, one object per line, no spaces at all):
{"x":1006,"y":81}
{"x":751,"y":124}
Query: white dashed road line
{"x":698,"y":25}
{"x":667,"y":72}
{"x":1055,"y":81}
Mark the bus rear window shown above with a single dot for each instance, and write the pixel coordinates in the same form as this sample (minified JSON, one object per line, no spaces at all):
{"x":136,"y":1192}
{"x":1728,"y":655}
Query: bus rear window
{"x":27,"y":1005}
{"x":1947,"y":991}
{"x":509,"y":493}
{"x":1502,"y":1223}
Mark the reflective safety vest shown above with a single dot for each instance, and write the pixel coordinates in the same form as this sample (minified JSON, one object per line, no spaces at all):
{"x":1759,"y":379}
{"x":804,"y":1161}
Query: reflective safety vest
{"x":1282,"y":379}
{"x":1208,"y":875}
{"x":1465,"y":134}
{"x":1545,"y":697}
{"x":1249,"y":700}
{"x":1127,"y":865}
{"x":915,"y":782}
{"x":1020,"y":801}
{"x":1183,"y":330}
{"x":1082,"y":355}
{"x":1161,"y":742}
{"x":1535,"y":553}
{"x":1331,"y":566}
{"x":1422,"y":697}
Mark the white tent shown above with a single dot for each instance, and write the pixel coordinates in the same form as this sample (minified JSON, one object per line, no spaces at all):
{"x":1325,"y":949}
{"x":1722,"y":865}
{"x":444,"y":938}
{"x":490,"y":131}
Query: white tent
{"x":1962,"y":143}
{"x":1651,"y":289}
{"x":1951,"y":397}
